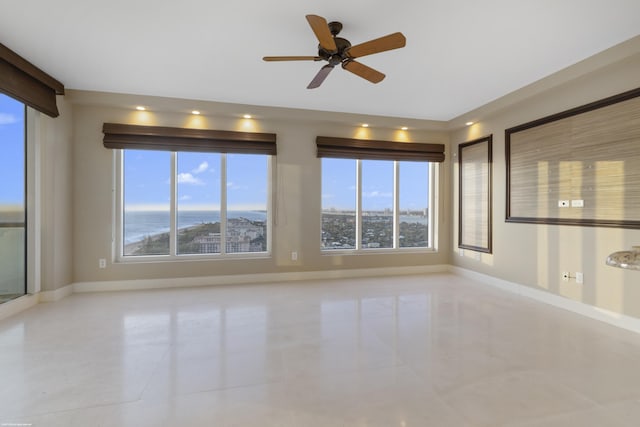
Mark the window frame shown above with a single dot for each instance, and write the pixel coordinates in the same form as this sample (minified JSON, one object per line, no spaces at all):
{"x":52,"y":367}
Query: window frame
{"x":432,"y":213}
{"x":173,"y":256}
{"x":26,"y":255}
{"x":464,"y":217}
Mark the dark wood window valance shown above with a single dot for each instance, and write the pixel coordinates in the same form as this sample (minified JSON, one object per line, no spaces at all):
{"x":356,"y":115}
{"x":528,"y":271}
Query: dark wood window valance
{"x":27,"y":83}
{"x":347,"y":148}
{"x":136,"y":137}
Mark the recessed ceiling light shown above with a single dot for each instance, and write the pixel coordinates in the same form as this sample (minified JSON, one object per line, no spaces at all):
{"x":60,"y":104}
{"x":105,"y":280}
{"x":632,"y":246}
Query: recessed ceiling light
{"x":140,"y":108}
{"x":196,"y":112}
{"x":404,"y":128}
{"x":469,"y":123}
{"x":247,"y":116}
{"x":365,"y":125}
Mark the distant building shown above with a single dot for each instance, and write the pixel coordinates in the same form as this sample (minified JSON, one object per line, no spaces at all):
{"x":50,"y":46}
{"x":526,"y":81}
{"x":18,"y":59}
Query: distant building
{"x":242,"y":236}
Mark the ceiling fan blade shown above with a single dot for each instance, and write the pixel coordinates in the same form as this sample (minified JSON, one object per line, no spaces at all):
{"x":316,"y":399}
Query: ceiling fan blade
{"x":389,"y":42}
{"x":321,"y":30}
{"x":368,"y":73}
{"x":292,"y":58}
{"x":319,"y":78}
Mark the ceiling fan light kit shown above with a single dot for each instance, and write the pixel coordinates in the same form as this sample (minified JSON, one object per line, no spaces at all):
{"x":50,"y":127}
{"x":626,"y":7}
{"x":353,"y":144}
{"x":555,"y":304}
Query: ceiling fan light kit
{"x":338,"y":51}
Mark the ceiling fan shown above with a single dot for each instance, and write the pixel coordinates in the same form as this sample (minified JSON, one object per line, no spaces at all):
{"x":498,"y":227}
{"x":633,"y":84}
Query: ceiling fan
{"x":338,"y":51}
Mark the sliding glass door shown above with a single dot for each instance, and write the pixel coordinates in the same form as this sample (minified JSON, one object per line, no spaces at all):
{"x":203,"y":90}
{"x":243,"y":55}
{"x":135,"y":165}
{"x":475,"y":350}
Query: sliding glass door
{"x":12,"y":199}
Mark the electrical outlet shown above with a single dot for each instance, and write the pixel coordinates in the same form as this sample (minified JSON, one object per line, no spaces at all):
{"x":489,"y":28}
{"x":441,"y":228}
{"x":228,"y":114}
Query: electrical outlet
{"x":565,"y":276}
{"x":577,"y":203}
{"x":461,"y":252}
{"x":477,"y":256}
{"x":579,"y":277}
{"x":102,"y":263}
{"x":294,"y":256}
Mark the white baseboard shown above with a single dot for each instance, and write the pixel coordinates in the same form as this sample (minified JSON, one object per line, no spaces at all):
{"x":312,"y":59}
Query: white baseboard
{"x":187,"y":282}
{"x":13,"y":307}
{"x":57,"y":295}
{"x":616,"y":319}
{"x":17,"y":305}
{"x":620,"y":320}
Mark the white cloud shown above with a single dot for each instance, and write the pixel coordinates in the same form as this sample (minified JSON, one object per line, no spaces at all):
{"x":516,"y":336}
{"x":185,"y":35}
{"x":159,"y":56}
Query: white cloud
{"x":328,"y":196}
{"x":185,"y":197}
{"x":7,"y":119}
{"x":232,"y":186}
{"x":373,"y":194}
{"x":187,"y":178}
{"x":201,"y":168}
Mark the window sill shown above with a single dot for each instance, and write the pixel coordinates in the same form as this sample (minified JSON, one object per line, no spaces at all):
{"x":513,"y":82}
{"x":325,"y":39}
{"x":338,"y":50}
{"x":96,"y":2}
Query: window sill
{"x":157,"y":259}
{"x":381,"y":251}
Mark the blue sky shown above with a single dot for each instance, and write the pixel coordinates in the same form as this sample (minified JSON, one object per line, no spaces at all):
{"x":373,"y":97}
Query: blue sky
{"x":147,"y":181}
{"x":339,"y":185}
{"x":12,"y":149}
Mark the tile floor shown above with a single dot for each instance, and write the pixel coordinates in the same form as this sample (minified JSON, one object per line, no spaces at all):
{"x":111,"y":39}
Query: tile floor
{"x":434,"y":350}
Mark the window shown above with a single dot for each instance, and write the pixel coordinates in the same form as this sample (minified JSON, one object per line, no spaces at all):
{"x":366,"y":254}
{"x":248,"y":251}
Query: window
{"x":178,"y":204}
{"x":414,"y":196}
{"x":12,"y":199}
{"x":191,"y":192}
{"x":339,"y":211}
{"x":22,"y":85}
{"x":376,"y":204}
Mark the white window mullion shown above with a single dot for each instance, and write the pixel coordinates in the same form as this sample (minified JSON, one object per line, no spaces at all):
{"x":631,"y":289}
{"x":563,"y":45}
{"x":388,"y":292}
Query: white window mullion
{"x":173,"y":233}
{"x":432,"y":241}
{"x":223,"y":203}
{"x":119,"y":204}
{"x":271,"y":206}
{"x":358,"y":204}
{"x":396,"y":204}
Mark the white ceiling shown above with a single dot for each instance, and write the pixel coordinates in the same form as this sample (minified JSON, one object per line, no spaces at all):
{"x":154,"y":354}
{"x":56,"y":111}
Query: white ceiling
{"x":460,"y":54}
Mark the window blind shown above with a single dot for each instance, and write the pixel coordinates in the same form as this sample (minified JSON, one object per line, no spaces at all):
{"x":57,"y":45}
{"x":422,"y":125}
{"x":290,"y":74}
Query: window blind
{"x":137,"y":137}
{"x":348,"y":148}
{"x":27,"y":83}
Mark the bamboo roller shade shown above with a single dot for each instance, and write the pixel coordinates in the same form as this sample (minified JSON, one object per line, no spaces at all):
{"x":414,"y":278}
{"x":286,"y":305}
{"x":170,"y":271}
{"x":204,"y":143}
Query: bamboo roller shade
{"x":592,"y":156}
{"x":475,"y":195}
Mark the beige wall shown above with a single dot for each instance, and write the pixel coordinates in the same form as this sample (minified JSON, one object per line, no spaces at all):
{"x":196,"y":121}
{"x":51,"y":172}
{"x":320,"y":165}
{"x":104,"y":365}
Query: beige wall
{"x":56,"y":215}
{"x":297,"y":199}
{"x":78,"y":174}
{"x":535,"y":255}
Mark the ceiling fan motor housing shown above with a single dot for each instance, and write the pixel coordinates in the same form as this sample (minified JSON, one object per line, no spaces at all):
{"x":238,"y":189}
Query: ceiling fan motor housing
{"x":342,"y":44}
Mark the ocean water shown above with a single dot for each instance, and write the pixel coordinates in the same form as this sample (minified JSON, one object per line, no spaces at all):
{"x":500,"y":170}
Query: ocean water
{"x":139,"y":224}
